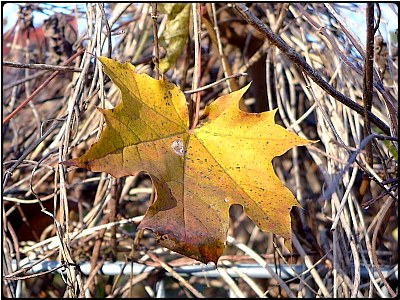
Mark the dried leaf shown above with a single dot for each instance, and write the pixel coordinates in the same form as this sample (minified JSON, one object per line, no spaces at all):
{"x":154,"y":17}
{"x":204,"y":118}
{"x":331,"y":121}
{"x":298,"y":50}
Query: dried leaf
{"x":175,"y":34}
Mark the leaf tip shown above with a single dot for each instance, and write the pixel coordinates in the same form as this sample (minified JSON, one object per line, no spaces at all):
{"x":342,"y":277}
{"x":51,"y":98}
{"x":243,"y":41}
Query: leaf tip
{"x":76,"y":162}
{"x":288,"y":245}
{"x":104,"y":59}
{"x":243,"y":90}
{"x":102,"y":110}
{"x":247,"y":86}
{"x":113,"y":67}
{"x":70,"y":163}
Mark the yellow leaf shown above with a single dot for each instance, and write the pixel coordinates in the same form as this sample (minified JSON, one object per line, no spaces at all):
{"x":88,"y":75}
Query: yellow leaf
{"x":200,"y":173}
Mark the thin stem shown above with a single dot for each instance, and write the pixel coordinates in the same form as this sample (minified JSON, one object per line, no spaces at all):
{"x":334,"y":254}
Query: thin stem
{"x":23,"y":80}
{"x":215,"y":83}
{"x":197,"y":65}
{"x":9,"y":171}
{"x":368,"y":78}
{"x":154,"y":17}
{"x":382,"y":219}
{"x":41,"y":67}
{"x":220,"y":50}
{"x":41,"y":87}
{"x":175,"y":275}
{"x":250,"y":18}
{"x":104,"y":16}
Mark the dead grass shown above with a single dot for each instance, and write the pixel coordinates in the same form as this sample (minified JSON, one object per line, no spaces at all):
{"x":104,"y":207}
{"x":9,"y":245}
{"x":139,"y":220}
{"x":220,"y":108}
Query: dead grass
{"x":347,"y":231}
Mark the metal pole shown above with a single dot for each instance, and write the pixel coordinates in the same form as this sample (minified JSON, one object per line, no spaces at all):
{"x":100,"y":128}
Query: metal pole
{"x":198,"y":270}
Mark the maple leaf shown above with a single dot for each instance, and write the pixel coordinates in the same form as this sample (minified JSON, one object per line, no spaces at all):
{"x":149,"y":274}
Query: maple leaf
{"x":198,"y":174}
